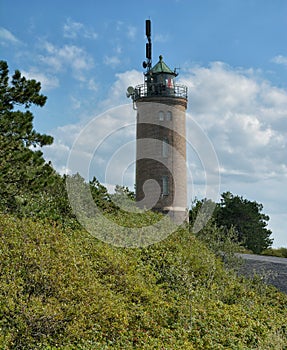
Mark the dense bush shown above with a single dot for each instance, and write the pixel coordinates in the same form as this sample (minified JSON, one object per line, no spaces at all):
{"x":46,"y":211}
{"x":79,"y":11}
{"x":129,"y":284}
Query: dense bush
{"x":67,"y":290}
{"x":279,"y":252}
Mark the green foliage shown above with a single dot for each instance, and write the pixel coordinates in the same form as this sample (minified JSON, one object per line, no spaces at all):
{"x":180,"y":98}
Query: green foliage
{"x":240,"y":222}
{"x":280,"y":252}
{"x":222,"y":241}
{"x":21,"y":170}
{"x":101,"y":196}
{"x":67,"y":290}
{"x":247,"y":219}
{"x":49,"y":203}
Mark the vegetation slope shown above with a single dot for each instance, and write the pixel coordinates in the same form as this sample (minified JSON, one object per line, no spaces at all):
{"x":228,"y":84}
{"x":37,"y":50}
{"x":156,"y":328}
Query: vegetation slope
{"x":64,"y":289}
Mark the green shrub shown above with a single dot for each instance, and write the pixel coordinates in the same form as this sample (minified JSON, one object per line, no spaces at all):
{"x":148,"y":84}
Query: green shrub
{"x":67,"y":290}
{"x":279,"y":252}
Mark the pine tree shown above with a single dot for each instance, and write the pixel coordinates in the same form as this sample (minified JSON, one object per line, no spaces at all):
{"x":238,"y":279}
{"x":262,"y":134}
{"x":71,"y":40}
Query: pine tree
{"x":246,"y":217}
{"x":22,"y":169}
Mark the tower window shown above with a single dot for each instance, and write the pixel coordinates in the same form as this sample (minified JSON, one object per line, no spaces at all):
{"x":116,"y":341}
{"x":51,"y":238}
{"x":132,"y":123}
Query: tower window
{"x":164,"y":116}
{"x":168,"y":115}
{"x":165,"y":146}
{"x":165,"y":185}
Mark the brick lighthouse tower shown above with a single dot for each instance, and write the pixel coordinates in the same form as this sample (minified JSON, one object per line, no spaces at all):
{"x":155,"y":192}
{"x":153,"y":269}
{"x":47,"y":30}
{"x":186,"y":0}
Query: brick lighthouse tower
{"x":161,"y":145}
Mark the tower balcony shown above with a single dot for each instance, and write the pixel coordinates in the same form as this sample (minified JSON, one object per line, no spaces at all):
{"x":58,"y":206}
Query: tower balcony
{"x":159,"y":90}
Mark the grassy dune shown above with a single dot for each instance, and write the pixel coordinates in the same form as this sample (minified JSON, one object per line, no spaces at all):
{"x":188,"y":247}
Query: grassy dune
{"x":64,"y":289}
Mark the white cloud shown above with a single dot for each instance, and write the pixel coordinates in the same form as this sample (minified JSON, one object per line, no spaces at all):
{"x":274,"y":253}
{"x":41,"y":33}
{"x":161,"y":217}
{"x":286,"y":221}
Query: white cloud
{"x":73,"y":30}
{"x":75,"y":102}
{"x":7,"y":37}
{"x":279,"y":59}
{"x":118,"y":89}
{"x":58,"y":152}
{"x":119,"y":26}
{"x":67,"y":56}
{"x":243,"y":115}
{"x":92,"y":85}
{"x":161,"y":38}
{"x":118,"y":50}
{"x":48,"y":82}
{"x":274,"y":96}
{"x":131,"y":32}
{"x":219,"y":89}
{"x":112,"y":61}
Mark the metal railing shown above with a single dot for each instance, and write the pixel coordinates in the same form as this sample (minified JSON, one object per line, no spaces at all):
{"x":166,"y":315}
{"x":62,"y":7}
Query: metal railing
{"x":151,"y":90}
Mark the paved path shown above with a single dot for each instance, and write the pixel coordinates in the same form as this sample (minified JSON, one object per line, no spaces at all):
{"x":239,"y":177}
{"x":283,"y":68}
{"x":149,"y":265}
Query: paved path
{"x":273,"y":269}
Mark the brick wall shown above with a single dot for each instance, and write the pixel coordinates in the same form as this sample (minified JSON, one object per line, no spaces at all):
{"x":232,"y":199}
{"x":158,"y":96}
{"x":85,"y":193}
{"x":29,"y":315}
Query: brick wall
{"x":161,"y":120}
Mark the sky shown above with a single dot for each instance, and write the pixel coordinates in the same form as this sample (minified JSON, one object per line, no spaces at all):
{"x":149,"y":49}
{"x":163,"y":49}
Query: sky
{"x":231,"y":54}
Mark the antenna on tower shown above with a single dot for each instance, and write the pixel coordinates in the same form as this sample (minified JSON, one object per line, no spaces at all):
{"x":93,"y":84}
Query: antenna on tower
{"x":147,"y":63}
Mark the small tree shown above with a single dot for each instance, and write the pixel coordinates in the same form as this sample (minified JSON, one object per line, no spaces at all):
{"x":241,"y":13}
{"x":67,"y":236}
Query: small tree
{"x":246,"y":217}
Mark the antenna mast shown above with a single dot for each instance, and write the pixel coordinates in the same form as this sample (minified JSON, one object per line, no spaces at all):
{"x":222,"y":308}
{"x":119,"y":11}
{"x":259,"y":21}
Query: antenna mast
{"x":147,"y":63}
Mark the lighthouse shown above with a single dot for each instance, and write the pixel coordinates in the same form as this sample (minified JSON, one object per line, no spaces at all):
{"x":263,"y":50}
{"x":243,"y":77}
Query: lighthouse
{"x":160,"y":104}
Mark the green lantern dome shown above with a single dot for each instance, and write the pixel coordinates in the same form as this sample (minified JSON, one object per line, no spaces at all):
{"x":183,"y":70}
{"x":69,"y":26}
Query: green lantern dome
{"x":161,"y":67}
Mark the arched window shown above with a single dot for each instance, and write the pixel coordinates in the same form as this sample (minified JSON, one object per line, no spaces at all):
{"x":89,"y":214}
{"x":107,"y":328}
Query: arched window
{"x":161,"y":115}
{"x":165,"y":147}
{"x":168,"y":115}
{"x":165,"y":185}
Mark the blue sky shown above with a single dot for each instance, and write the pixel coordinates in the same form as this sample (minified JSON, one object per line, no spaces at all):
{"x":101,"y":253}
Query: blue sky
{"x":232,"y":55}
